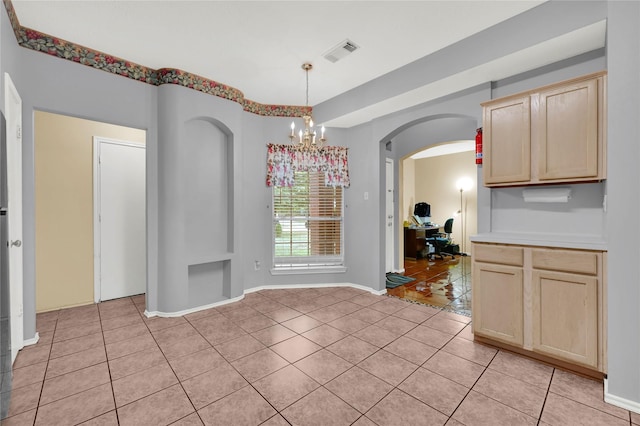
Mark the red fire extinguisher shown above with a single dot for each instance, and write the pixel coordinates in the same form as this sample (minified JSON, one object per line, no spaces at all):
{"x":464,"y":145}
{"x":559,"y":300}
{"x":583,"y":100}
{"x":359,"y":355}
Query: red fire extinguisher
{"x":479,"y":146}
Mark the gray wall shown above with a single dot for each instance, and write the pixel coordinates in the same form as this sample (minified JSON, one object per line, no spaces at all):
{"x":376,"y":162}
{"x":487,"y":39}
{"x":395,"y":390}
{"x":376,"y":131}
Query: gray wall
{"x":199,"y":154}
{"x":255,"y":211}
{"x":60,"y":86}
{"x":623,"y":227}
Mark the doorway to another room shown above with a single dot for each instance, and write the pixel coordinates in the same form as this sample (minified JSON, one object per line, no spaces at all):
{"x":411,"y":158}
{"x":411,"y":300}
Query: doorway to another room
{"x":119,"y":219}
{"x":445,"y":177}
{"x":64,"y":195}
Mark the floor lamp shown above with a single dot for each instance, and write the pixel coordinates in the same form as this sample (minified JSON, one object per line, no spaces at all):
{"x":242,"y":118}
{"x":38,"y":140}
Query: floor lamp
{"x":463,"y":184}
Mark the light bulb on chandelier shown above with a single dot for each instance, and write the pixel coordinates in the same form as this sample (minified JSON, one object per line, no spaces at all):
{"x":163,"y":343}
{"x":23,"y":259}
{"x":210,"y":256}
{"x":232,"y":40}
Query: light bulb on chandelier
{"x":307,"y":138}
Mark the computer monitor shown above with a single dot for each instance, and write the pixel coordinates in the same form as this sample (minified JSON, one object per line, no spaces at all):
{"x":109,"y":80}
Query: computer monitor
{"x":422,"y":213}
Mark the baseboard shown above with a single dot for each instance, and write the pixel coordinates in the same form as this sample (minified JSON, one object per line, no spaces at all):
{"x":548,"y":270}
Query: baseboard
{"x":32,"y":341}
{"x":627,"y":404}
{"x":150,"y":314}
{"x":290,"y":286}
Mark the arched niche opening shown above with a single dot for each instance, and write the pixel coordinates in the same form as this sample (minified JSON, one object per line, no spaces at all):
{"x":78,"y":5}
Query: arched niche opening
{"x":207,"y":156}
{"x":208,"y":199}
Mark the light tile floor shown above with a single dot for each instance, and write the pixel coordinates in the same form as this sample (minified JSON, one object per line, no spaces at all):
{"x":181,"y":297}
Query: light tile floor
{"x":330,"y":356}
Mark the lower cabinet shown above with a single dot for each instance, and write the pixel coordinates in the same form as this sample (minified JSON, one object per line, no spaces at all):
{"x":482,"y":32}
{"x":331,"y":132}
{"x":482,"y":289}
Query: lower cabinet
{"x":544,"y":300}
{"x":498,"y":302}
{"x":565,"y":319}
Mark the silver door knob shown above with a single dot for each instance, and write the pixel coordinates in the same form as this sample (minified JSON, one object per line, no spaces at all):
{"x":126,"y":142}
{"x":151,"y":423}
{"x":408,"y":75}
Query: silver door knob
{"x":16,"y":243}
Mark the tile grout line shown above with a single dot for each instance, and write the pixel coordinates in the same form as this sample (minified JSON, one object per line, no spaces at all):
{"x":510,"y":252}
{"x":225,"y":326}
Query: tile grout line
{"x":394,"y":387}
{"x":172,"y":369}
{"x":35,"y":417}
{"x":323,"y":323}
{"x":232,"y":366}
{"x":546,"y":395}
{"x":323,"y":347}
{"x":104,"y":343}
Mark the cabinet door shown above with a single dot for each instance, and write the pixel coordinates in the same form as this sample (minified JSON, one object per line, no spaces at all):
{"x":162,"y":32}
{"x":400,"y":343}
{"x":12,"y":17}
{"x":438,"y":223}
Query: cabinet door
{"x":565,"y":316}
{"x":498,"y":302}
{"x":507,"y":141}
{"x":566,"y":123}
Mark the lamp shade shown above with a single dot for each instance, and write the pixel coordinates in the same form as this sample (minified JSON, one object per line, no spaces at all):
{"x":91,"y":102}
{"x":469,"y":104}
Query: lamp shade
{"x":464,"y":184}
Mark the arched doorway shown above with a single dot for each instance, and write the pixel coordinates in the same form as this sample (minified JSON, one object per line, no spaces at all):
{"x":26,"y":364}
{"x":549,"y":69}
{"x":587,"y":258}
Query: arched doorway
{"x":434,"y":179}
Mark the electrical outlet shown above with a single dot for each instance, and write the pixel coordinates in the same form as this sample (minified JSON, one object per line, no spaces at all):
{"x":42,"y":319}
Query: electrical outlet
{"x":256,"y":265}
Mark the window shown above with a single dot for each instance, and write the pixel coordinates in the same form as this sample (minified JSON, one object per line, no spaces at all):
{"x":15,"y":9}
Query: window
{"x":308,"y":225}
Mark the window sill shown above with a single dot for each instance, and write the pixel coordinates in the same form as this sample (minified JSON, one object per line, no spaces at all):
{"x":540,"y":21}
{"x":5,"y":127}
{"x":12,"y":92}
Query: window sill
{"x":310,"y":270}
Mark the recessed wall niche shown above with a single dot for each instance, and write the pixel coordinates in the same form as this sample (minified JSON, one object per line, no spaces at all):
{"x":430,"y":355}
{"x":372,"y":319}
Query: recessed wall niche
{"x":209,"y":282}
{"x":207,"y":157}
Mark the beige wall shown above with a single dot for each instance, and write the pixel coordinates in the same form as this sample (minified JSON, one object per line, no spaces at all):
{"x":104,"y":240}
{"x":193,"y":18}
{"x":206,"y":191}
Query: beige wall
{"x":408,"y":185}
{"x":64,"y":206}
{"x":434,"y":182}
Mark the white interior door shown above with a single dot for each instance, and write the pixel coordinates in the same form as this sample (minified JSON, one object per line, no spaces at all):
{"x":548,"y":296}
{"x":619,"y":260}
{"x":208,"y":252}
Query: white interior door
{"x":119,"y":219}
{"x":13,"y":112}
{"x":389,"y":220}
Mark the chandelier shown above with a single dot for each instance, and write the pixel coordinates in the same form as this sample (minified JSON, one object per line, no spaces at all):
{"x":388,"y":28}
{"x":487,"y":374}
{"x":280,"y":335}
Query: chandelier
{"x":307,"y":138}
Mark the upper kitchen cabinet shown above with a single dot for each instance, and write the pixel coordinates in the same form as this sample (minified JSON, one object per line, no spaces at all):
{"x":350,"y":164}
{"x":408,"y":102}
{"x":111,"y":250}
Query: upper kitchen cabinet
{"x":552,"y":134}
{"x":507,"y":144}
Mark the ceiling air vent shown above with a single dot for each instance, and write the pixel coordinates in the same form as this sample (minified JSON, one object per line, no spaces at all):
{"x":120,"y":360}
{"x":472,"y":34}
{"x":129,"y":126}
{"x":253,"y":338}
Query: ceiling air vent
{"x":341,"y":50}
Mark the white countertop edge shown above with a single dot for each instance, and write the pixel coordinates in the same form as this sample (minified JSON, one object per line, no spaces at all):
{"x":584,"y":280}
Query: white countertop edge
{"x":545,"y":240}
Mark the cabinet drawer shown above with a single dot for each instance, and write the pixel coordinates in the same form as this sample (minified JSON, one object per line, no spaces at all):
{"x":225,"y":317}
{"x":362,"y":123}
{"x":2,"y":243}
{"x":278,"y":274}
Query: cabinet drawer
{"x":503,"y":255}
{"x":579,"y":262}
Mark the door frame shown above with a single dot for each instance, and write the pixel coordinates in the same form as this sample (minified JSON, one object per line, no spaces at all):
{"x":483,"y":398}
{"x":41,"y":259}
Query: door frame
{"x":13,"y":113}
{"x":97,"y":140}
{"x":390,"y":252}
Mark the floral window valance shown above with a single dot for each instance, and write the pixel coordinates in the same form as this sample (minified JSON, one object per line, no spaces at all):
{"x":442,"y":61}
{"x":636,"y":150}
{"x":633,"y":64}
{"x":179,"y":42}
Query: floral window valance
{"x":284,"y":160}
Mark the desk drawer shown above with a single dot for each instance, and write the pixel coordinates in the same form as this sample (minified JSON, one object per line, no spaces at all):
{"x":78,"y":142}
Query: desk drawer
{"x":580,"y":262}
{"x":503,"y":255}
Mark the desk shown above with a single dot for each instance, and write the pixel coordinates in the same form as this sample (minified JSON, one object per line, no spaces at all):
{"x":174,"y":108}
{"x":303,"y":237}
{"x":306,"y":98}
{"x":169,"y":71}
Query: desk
{"x":414,"y":240}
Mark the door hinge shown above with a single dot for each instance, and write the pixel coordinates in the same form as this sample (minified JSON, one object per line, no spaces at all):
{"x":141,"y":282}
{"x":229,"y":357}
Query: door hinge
{"x":19,"y":131}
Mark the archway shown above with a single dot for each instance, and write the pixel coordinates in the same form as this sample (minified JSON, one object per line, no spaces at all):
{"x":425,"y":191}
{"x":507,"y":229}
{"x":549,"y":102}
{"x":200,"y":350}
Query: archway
{"x":440,"y":189}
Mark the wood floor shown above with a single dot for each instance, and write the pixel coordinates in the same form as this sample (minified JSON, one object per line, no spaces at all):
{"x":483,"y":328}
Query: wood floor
{"x":442,"y":283}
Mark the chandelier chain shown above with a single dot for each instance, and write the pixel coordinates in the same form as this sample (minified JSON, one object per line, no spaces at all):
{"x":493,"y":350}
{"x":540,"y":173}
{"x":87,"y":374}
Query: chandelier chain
{"x":307,"y":138}
{"x":307,"y":74}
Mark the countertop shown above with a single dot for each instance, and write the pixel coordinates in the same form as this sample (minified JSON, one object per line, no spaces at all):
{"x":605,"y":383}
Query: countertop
{"x":546,"y":240}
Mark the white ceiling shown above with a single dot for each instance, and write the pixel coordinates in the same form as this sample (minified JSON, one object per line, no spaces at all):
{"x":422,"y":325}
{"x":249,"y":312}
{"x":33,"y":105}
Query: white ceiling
{"x":258,"y":47}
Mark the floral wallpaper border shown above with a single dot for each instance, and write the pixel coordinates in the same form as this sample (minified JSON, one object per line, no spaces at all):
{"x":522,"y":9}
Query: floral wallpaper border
{"x":35,"y":40}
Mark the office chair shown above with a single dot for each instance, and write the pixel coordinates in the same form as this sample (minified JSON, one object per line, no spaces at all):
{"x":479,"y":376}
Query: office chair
{"x":441,"y":241}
